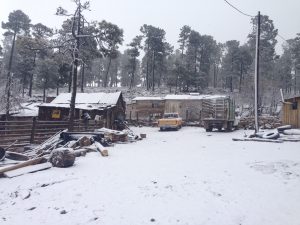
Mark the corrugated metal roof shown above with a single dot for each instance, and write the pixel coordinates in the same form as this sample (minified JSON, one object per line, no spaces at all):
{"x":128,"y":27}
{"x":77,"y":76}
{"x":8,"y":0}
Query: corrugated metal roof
{"x":193,"y":97}
{"x":147,"y":98}
{"x":89,"y":98}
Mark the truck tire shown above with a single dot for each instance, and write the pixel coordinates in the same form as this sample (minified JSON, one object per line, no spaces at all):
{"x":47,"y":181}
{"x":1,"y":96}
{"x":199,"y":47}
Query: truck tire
{"x":229,"y":126}
{"x":209,"y":129}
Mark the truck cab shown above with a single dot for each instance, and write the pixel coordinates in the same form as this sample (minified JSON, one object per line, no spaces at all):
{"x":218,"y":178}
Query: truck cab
{"x":170,"y":121}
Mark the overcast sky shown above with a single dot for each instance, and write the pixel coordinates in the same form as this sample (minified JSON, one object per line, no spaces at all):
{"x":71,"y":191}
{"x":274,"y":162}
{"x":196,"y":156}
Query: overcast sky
{"x":212,"y":17}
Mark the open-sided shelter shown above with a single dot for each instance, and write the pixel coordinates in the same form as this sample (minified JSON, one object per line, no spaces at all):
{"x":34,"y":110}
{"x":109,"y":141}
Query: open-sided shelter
{"x":100,"y":106}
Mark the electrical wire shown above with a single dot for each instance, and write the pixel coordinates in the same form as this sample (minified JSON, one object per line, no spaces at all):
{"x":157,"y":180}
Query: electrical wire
{"x":240,"y":11}
{"x":245,"y":14}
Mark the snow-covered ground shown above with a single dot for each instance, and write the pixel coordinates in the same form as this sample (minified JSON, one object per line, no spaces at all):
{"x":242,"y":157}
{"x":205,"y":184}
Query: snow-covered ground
{"x":177,"y":177}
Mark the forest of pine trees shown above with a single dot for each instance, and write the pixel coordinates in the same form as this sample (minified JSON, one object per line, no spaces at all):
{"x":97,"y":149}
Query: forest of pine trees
{"x":37,"y":57}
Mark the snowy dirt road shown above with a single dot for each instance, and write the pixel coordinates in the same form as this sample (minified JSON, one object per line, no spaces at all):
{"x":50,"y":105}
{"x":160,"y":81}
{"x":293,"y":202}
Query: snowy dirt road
{"x":177,"y":177}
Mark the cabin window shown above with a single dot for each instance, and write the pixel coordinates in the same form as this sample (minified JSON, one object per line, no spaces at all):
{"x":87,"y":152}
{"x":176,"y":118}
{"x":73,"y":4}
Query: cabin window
{"x":155,"y":105}
{"x":294,"y":105}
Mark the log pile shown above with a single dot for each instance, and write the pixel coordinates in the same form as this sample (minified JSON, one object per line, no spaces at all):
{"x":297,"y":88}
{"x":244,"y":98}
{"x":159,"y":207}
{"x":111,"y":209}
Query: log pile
{"x":265,"y":122}
{"x":62,"y":148}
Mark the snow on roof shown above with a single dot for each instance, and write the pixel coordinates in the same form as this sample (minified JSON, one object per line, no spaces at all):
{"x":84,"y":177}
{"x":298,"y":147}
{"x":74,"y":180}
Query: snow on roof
{"x":78,"y":106}
{"x":147,"y":98}
{"x":193,"y":97}
{"x":27,"y":110}
{"x":89,"y":98}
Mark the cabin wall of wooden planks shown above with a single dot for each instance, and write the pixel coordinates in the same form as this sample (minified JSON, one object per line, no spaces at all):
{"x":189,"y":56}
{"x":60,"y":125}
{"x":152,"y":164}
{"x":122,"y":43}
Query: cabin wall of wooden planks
{"x":291,"y":116}
{"x":37,"y":131}
{"x":145,"y":110}
{"x":189,"y":110}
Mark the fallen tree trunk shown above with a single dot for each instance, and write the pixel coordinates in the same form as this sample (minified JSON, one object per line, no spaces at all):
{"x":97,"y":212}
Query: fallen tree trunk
{"x":23,"y":164}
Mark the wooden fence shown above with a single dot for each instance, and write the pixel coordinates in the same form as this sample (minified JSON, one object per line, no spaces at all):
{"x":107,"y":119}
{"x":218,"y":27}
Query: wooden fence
{"x":36,"y":131}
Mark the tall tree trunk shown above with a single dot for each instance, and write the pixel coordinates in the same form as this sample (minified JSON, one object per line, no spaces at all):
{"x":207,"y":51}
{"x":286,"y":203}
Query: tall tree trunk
{"x":74,"y":78}
{"x":44,"y":90}
{"x":8,"y":84}
{"x":31,"y":77}
{"x":153,"y":70}
{"x":241,"y":77}
{"x":133,"y":73}
{"x":147,"y":68}
{"x":106,"y":74}
{"x":215,"y":76}
{"x":82,"y":78}
{"x":70,"y":80}
{"x":23,"y":85}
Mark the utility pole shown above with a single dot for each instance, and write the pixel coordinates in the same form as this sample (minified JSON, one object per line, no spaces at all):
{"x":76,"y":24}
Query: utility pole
{"x":256,"y":76}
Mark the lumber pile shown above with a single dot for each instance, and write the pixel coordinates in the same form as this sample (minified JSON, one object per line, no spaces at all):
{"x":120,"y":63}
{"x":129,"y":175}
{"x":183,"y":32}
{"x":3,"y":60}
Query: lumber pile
{"x":265,"y":122}
{"x":279,"y":135}
{"x":61,"y":150}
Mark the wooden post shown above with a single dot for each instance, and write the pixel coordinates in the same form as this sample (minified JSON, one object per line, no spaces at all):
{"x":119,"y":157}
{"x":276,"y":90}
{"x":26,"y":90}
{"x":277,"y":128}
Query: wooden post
{"x":130,"y":116}
{"x":33,"y":130}
{"x":186,"y":115}
{"x":137,"y":116}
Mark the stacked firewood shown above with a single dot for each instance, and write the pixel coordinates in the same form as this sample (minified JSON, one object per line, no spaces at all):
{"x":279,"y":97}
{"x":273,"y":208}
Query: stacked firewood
{"x":265,"y":122}
{"x":61,"y":149}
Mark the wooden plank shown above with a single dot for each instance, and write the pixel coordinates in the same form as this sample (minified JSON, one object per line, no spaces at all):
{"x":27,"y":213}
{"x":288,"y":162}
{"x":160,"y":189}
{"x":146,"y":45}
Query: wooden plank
{"x":15,"y":135}
{"x":22,"y":164}
{"x":16,"y":122}
{"x":29,"y":169}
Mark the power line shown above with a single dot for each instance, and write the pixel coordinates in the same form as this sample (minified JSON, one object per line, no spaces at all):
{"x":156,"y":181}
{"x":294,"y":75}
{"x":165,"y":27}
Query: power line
{"x":240,"y":11}
{"x":282,"y":38}
{"x":245,"y":14}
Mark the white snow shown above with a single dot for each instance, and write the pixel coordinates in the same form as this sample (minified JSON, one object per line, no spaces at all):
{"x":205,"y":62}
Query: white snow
{"x":148,"y":98}
{"x":27,"y":110}
{"x":177,"y":177}
{"x":91,"y":98}
{"x":193,"y":97}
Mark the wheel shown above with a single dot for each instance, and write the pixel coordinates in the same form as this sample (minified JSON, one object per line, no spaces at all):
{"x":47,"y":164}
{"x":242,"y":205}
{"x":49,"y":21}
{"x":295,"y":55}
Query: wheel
{"x":209,"y":129}
{"x":219,"y":128}
{"x":271,"y":135}
{"x":161,"y":129}
{"x":229,"y":126}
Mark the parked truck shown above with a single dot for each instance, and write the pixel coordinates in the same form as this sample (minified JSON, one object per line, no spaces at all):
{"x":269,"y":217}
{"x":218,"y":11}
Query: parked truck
{"x":219,"y":113}
{"x":170,"y":121}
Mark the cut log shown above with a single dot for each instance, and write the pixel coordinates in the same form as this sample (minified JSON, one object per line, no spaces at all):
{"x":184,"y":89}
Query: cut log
{"x":16,"y":156}
{"x":84,"y":141}
{"x":80,"y":152}
{"x":62,"y":157}
{"x":103,"y":151}
{"x":258,"y":140}
{"x":23,"y":164}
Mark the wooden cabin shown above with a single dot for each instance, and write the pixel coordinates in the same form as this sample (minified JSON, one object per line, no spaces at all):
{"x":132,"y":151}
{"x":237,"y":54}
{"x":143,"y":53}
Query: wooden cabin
{"x":108,"y":107}
{"x":145,"y":108}
{"x":188,"y":106}
{"x":291,"y":112}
